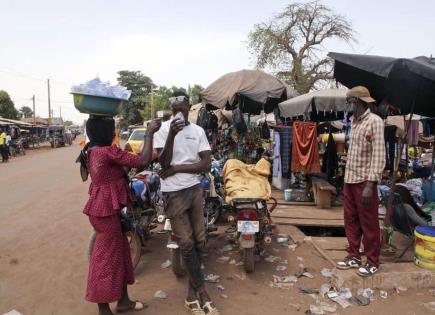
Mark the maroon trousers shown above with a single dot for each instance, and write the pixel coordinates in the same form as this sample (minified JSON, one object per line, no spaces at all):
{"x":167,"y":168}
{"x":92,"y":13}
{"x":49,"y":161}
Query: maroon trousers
{"x":361,"y":221}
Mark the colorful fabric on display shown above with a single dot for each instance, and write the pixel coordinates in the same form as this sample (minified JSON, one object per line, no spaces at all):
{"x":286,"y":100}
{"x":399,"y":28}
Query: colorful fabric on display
{"x":305,"y":149}
{"x":285,"y":134}
{"x":276,"y":155}
{"x":412,"y":132}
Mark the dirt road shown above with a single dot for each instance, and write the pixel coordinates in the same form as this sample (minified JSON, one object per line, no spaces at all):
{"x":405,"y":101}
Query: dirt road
{"x":43,"y":263}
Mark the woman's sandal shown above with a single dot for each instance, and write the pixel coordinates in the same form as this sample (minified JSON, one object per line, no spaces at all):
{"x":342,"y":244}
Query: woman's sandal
{"x":194,"y":307}
{"x":138,"y":306}
{"x":210,"y":309}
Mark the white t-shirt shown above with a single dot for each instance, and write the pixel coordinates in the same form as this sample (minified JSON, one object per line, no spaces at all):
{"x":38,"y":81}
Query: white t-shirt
{"x":187,"y":144}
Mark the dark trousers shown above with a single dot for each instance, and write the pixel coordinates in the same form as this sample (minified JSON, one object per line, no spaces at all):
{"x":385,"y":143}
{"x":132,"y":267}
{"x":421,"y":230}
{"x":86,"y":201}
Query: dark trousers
{"x":185,"y":209}
{"x":361,"y":221}
{"x":4,"y":152}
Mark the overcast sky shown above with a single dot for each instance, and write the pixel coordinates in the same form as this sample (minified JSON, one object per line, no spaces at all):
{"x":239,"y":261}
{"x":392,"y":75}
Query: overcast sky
{"x":173,"y":42}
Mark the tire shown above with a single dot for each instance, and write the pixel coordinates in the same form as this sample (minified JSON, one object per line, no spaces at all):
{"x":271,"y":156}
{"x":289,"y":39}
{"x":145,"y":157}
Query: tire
{"x":213,"y":207}
{"x":135,"y":246}
{"x":249,"y":261}
{"x":177,"y":262}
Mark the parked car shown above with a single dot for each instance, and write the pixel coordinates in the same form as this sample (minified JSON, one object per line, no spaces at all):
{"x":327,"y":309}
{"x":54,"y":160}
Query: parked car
{"x":135,"y":139}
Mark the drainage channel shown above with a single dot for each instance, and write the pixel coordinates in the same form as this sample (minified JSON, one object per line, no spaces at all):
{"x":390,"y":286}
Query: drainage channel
{"x":322,"y":231}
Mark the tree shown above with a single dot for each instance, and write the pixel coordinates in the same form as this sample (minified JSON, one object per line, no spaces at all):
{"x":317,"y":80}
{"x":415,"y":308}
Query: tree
{"x":68,"y":123}
{"x":7,"y":107}
{"x":26,"y":111}
{"x":195,"y":93}
{"x":290,"y":44}
{"x":140,"y":86}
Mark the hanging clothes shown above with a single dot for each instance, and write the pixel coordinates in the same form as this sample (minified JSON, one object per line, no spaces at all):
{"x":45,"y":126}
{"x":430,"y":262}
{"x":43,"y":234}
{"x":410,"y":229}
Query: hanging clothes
{"x":330,"y":158}
{"x":412,"y":132}
{"x":390,"y":146}
{"x":285,"y":148}
{"x":305,"y":149}
{"x":276,"y":155}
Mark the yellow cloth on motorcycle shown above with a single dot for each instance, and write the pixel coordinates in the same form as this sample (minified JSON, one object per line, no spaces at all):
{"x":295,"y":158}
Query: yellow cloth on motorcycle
{"x":247,"y":180}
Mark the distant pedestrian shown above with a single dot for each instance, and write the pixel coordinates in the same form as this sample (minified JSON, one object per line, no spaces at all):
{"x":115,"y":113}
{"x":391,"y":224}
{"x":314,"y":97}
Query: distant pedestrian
{"x":3,"y":147}
{"x":110,"y":267}
{"x":365,"y":164}
{"x":8,"y":143}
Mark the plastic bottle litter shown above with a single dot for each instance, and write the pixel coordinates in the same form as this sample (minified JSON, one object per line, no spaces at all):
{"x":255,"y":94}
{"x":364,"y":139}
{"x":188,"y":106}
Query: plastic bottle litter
{"x":401,"y":289}
{"x":334,"y":296}
{"x":96,"y":87}
{"x":316,"y":310}
{"x":224,"y":296}
{"x":383,"y":294}
{"x":281,"y":268}
{"x":212,"y":278}
{"x":292,"y":247}
{"x":325,"y":288}
{"x":345,"y":293}
{"x":327,"y":273}
{"x":160,"y":295}
{"x":307,"y":290}
{"x":272,"y":259}
{"x":220,"y":287}
{"x":286,"y":279}
{"x":362,"y":300}
{"x":166,"y":264}
{"x":223,"y":259}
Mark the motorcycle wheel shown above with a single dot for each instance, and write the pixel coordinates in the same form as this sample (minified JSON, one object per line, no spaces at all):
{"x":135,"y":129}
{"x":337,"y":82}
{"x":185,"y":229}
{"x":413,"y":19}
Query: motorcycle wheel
{"x":249,"y":261}
{"x":133,"y":241}
{"x":177,"y":262}
{"x":213,"y":208}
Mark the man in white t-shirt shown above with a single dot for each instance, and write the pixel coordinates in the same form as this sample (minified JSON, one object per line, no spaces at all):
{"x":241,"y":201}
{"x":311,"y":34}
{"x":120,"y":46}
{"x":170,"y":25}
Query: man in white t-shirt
{"x":184,"y":153}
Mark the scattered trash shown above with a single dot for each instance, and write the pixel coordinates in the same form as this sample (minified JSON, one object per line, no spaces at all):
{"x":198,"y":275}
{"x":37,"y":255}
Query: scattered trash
{"x":383,"y":294}
{"x":166,"y":264}
{"x":308,"y":275}
{"x":160,"y":295}
{"x":263,"y":252}
{"x":400,"y":289}
{"x":13,"y":312}
{"x":286,"y":279}
{"x":276,"y":250}
{"x":315,"y":310}
{"x":282,"y":238}
{"x":223,"y":259}
{"x":345,"y":293}
{"x":432,"y":292}
{"x":367,"y":293}
{"x":300,"y":259}
{"x":307,"y":290}
{"x":430,"y":306}
{"x":224,"y":296}
{"x":272,"y":259}
{"x":281,"y":268}
{"x":327,"y":273}
{"x":212,"y":278}
{"x":292,"y":247}
{"x":284,"y":262}
{"x":362,"y":300}
{"x":322,"y":308}
{"x":226,"y":248}
{"x":296,"y":306}
{"x":241,"y":277}
{"x":220,"y":287}
{"x":232,"y":262}
{"x":344,"y":303}
{"x":325,"y":288}
{"x":240,"y":263}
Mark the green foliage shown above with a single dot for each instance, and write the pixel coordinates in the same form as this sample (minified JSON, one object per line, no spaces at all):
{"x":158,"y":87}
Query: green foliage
{"x":161,"y":100}
{"x":195,"y":93}
{"x":292,"y":42}
{"x":140,"y":86}
{"x":7,"y":107}
{"x":26,"y":111}
{"x":68,"y":123}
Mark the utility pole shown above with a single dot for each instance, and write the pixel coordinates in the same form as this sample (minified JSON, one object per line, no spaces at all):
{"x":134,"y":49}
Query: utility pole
{"x":34,"y":114}
{"x":152,"y":104}
{"x":49,"y":104}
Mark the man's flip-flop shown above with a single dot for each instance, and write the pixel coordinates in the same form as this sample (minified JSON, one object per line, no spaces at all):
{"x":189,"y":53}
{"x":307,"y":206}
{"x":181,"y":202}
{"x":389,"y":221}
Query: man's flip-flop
{"x":194,"y":307}
{"x":138,"y":306}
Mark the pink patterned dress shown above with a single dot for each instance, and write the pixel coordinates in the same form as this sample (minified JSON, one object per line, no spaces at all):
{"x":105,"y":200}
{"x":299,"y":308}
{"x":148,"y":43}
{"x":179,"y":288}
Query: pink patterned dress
{"x":110,"y":267}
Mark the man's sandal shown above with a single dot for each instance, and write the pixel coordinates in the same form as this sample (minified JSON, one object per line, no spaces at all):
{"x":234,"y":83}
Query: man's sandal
{"x":194,"y":307}
{"x":210,"y":309}
{"x":138,"y":306}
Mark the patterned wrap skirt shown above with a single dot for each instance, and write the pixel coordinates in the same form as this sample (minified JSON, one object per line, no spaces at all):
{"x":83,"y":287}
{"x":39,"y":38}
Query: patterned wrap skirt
{"x":110,"y":267}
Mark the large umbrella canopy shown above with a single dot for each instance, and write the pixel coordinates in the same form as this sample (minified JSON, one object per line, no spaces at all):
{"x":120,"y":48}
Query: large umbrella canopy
{"x":330,"y":100}
{"x":252,"y":90}
{"x":407,"y":84}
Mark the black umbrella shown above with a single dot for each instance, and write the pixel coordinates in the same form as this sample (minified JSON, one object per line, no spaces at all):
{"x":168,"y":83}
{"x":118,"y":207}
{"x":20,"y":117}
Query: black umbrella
{"x":407,"y":84}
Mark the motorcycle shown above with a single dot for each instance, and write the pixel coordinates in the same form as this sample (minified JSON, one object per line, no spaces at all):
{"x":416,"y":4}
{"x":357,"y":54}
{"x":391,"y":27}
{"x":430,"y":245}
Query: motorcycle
{"x":16,"y":148}
{"x":214,"y":194}
{"x":253,"y":227}
{"x":142,"y":213}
